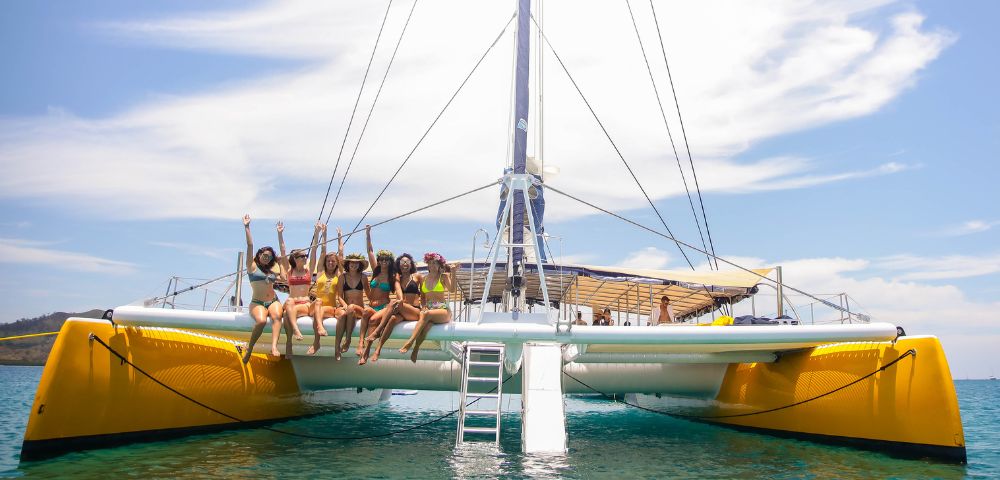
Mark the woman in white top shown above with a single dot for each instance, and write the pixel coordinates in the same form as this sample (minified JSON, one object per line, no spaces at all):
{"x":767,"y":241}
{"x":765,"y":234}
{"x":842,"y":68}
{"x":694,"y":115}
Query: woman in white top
{"x":664,"y":313}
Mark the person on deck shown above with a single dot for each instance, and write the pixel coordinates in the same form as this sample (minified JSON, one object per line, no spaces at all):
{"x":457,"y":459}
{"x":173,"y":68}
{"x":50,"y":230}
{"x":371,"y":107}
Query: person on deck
{"x":352,"y":287}
{"x":327,"y":303}
{"x":433,"y":288}
{"x":263,"y":301}
{"x":384,"y":281}
{"x":607,"y":317}
{"x":664,"y":313}
{"x":300,"y":273}
{"x":406,"y":311}
{"x":579,"y":319}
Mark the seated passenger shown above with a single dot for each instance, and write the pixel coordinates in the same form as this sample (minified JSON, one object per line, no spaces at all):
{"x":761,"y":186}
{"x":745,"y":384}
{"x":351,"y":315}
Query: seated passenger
{"x":353,"y":286}
{"x":663,"y":313}
{"x":579,"y":319}
{"x":406,"y":311}
{"x":263,"y":301}
{"x":384,"y":280}
{"x":299,"y":282}
{"x":607,"y":317}
{"x":327,"y":303}
{"x":435,"y":302}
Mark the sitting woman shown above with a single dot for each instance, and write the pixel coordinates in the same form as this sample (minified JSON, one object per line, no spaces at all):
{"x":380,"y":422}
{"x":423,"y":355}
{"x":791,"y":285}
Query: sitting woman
{"x":352,"y":287}
{"x":406,"y":311}
{"x":384,"y":280}
{"x":263,"y":301}
{"x":327,"y":303}
{"x":299,"y":283}
{"x":435,"y":304}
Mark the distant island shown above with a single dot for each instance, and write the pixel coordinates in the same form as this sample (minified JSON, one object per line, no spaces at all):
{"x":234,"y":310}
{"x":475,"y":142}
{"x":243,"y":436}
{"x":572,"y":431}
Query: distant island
{"x":34,"y":351}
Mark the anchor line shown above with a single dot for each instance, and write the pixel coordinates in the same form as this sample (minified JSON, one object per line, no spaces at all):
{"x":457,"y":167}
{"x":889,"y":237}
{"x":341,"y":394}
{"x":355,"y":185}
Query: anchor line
{"x":30,"y":335}
{"x":272,"y":429}
{"x":908,"y":353}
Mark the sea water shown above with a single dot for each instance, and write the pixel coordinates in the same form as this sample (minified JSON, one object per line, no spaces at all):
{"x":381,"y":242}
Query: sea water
{"x":606,"y":440}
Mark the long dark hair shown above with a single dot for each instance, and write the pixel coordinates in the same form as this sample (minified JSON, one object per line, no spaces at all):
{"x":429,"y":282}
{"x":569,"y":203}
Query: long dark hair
{"x":291,"y":257}
{"x":413,"y":265}
{"x":256,"y":259}
{"x":377,"y":270}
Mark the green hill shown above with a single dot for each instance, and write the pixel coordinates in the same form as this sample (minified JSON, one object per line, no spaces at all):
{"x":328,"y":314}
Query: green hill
{"x":34,"y":351}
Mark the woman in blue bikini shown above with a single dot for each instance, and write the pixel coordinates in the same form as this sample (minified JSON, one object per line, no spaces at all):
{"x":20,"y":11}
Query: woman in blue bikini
{"x":384,"y":280}
{"x":264,"y":302}
{"x":406,"y":311}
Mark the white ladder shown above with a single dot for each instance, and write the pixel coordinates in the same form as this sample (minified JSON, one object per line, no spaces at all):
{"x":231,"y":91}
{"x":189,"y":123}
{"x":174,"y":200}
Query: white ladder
{"x":482,"y":369}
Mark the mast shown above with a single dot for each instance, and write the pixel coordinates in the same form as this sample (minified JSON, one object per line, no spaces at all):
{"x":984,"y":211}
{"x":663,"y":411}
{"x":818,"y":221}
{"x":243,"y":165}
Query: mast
{"x":521,"y":78}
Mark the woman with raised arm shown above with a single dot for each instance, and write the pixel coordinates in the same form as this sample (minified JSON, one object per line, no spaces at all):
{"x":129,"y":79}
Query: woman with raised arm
{"x":409,"y":309}
{"x":384,"y":280}
{"x":438,"y":280}
{"x":327,"y":303}
{"x":263,"y":301}
{"x":299,"y":283}
{"x":352,"y":287}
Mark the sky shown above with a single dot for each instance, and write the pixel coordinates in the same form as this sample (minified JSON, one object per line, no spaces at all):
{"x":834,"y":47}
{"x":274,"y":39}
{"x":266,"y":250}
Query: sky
{"x":852,"y":143}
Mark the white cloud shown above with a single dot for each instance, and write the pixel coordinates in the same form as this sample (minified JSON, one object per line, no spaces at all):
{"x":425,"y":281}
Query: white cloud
{"x":968,"y":228}
{"x":266,"y":145}
{"x":913,"y":267}
{"x":201,"y":250}
{"x":30,"y":252}
{"x":646,"y":258}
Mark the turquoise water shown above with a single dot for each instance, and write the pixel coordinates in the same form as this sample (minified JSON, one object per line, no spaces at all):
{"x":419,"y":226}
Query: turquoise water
{"x":606,"y":440}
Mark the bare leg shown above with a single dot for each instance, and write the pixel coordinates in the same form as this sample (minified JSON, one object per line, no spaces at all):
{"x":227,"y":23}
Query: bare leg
{"x":363,"y":331}
{"x":274,"y":311}
{"x":292,"y":311}
{"x":341,"y":327}
{"x":352,"y":317}
{"x":432,"y":317}
{"x":259,"y":314}
{"x":386,"y":332}
{"x":319,"y":331}
{"x":416,"y":332}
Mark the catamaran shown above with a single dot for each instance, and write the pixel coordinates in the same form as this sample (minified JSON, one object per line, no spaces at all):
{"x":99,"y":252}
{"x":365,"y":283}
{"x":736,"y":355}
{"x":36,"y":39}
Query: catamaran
{"x":147,"y":372}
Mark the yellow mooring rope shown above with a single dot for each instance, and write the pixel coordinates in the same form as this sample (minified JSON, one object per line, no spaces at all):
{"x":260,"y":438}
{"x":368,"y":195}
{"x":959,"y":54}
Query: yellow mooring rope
{"x":18,"y":337}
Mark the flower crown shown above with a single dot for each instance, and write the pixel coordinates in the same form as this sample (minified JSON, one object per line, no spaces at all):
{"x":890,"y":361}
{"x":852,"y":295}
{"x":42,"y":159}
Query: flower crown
{"x":385,"y":254}
{"x":428,"y":257}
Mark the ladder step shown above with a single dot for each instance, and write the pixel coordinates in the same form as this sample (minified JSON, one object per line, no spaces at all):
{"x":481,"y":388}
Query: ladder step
{"x":483,"y":379}
{"x":482,"y":395}
{"x":485,"y":348}
{"x":491,"y":413}
{"x":479,"y":430}
{"x":484,"y":364}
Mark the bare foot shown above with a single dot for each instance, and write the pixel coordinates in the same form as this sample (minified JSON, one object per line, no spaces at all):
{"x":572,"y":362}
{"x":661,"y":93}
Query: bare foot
{"x":275,"y":352}
{"x":321,"y":331}
{"x":336,"y":356}
{"x":312,"y":350}
{"x":378,"y":351}
{"x":345,"y":347}
{"x":404,"y":349}
{"x":362,"y":360}
{"x":246,"y":357}
{"x":360,"y":349}
{"x":413,"y":355}
{"x":297,"y":334}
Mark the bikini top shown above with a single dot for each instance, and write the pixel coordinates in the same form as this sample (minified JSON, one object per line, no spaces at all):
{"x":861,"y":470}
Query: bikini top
{"x":411,"y":287}
{"x":437,"y":288}
{"x":381,"y":285}
{"x":304,"y":279}
{"x":357,"y":286}
{"x":259,"y":276}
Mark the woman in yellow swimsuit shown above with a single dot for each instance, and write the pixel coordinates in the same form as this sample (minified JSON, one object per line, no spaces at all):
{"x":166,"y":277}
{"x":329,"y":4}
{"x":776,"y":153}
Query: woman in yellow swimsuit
{"x":435,"y":304}
{"x":327,"y":303}
{"x":299,"y":282}
{"x":406,"y":311}
{"x":384,"y":280}
{"x":352,"y":287}
{"x":263,"y":301}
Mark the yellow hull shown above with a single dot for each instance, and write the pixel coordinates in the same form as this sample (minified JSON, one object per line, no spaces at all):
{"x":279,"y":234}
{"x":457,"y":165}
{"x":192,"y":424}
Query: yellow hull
{"x":87,"y":397}
{"x":910,"y":408}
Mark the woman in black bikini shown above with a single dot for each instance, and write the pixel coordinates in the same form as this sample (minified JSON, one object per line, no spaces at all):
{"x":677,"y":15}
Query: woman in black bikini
{"x":352,"y":287}
{"x":406,"y":311}
{"x":263,"y":301}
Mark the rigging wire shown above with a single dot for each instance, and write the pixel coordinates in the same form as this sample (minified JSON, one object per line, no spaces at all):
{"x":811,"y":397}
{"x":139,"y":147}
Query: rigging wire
{"x":670,"y":135}
{"x":431,"y":126}
{"x":353,"y":111}
{"x":371,"y":110}
{"x":608,"y":135}
{"x":687,"y":146}
{"x":669,"y":236}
